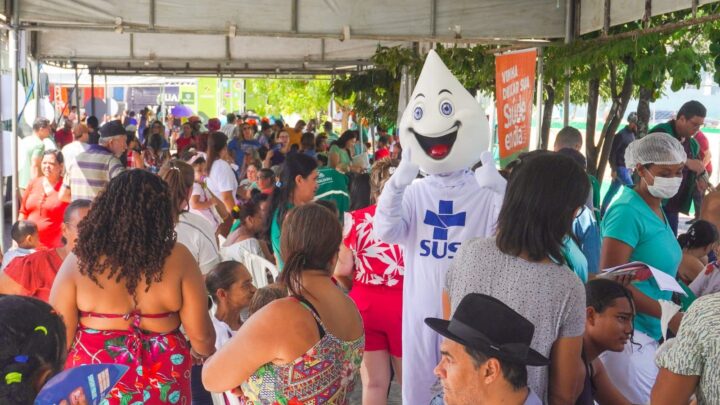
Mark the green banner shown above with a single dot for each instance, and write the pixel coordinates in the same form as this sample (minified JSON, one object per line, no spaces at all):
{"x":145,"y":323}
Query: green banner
{"x":207,"y":100}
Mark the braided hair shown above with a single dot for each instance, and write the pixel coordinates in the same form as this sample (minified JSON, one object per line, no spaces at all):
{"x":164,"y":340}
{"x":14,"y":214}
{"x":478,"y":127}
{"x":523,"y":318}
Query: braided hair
{"x":32,"y":346}
{"x":129,"y":231}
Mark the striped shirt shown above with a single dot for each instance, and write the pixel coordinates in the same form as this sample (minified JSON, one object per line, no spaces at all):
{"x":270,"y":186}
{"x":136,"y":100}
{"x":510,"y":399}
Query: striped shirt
{"x":91,"y":172}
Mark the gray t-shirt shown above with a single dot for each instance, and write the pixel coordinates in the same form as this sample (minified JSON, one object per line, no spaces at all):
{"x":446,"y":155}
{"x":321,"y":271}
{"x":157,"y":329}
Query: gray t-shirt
{"x":550,"y":296}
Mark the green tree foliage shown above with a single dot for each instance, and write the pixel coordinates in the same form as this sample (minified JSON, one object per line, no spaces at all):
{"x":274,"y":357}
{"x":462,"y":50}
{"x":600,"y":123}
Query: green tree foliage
{"x":308,"y":98}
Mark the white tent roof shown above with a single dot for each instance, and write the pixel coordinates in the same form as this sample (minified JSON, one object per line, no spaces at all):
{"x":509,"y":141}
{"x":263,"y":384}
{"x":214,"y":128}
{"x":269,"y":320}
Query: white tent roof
{"x":292,"y":36}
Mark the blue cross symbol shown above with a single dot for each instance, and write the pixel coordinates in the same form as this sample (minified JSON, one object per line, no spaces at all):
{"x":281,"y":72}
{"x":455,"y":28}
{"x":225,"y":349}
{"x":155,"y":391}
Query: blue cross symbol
{"x":444,"y":219}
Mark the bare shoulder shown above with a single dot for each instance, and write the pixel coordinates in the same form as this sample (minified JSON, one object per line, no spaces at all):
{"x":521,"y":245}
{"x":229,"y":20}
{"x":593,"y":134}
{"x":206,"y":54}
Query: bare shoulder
{"x":180,"y":256}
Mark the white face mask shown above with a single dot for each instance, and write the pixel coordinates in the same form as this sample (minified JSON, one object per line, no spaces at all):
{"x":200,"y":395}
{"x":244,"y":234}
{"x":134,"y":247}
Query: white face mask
{"x":664,"y":187}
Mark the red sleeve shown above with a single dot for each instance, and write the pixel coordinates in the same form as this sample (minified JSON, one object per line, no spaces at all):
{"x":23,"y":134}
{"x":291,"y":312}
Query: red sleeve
{"x":351,"y":238}
{"x":26,"y":195}
{"x":20,"y":271}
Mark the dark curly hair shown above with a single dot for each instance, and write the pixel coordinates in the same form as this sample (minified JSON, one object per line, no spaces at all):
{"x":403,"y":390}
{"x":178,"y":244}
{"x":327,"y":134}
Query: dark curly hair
{"x":32,"y":342}
{"x":129,"y":231}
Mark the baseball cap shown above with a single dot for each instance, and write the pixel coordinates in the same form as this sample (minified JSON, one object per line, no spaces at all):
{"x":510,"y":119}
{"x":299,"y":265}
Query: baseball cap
{"x":112,"y":128}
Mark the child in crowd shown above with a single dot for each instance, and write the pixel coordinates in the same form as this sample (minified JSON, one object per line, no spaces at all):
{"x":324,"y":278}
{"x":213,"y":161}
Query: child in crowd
{"x":696,"y":244}
{"x":202,"y":200}
{"x":33,"y":347}
{"x":266,"y":295}
{"x":608,"y":326}
{"x":25,"y":235}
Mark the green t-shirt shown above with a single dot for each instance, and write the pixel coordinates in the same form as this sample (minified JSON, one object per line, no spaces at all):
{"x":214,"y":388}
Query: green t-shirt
{"x":275,"y":232}
{"x":333,"y":186}
{"x":344,"y":160}
{"x":631,"y":221}
{"x":29,"y":148}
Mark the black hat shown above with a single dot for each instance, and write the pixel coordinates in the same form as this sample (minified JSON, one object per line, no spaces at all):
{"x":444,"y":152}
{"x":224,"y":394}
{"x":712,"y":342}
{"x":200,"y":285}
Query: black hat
{"x":112,"y":128}
{"x":486,"y":324}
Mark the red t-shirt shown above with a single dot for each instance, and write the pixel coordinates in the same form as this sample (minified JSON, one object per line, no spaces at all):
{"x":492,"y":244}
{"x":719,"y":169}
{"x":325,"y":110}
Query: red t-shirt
{"x":376,"y":262}
{"x":45,"y":210}
{"x":704,"y":147}
{"x":184,"y":143}
{"x":382,"y":153}
{"x":35,"y":273}
{"x":63,"y":137}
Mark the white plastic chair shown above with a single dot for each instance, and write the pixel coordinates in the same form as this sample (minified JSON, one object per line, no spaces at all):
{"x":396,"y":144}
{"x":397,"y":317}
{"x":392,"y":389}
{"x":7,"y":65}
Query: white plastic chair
{"x":259,"y":267}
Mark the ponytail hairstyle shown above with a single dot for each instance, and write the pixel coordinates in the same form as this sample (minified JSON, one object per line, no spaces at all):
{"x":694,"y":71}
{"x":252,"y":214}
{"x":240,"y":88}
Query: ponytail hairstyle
{"x":360,"y":195}
{"x":379,"y":175}
{"x":309,"y":241}
{"x":701,"y":234}
{"x":217,"y":141}
{"x":222,"y":276}
{"x":179,"y":177}
{"x":244,"y":211}
{"x":296,"y":164}
{"x":32,"y":343}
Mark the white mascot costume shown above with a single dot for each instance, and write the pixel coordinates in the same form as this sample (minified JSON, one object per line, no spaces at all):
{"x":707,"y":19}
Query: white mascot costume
{"x":443,"y":131}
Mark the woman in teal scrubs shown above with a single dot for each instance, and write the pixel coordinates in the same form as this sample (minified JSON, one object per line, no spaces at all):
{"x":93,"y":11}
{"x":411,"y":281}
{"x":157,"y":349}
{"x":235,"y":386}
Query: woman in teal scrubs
{"x":635,"y":229}
{"x":298,"y":186}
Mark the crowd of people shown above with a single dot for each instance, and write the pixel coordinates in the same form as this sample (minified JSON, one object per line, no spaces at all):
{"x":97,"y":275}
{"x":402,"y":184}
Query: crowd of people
{"x":248,"y":261}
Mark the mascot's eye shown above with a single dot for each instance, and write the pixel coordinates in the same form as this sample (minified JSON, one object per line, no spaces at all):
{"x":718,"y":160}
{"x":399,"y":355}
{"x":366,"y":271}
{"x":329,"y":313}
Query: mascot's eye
{"x":446,"y":108}
{"x":418,"y":113}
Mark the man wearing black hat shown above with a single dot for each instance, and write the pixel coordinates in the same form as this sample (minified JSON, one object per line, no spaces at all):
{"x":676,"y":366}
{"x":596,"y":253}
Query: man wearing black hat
{"x":485,"y":354}
{"x":94,"y":168}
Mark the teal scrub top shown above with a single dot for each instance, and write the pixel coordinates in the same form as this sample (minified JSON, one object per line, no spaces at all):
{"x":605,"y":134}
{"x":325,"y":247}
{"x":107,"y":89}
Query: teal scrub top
{"x":275,"y":231}
{"x":575,"y":258}
{"x":631,"y":221}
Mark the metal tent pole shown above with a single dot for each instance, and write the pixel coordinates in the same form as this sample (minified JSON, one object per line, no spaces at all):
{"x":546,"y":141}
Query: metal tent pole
{"x":92,"y":94}
{"x":108,"y":110}
{"x":14,"y":55}
{"x":2,"y":184}
{"x":38,"y":93}
{"x":77,"y":92}
{"x":539,"y":97}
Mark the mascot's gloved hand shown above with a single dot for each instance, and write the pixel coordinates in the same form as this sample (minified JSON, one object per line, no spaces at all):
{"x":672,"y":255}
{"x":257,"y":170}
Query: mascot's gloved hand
{"x":406,"y":171}
{"x":487,"y":175}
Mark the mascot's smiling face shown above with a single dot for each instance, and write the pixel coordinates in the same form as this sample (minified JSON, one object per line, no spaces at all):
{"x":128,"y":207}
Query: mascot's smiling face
{"x":443,"y":124}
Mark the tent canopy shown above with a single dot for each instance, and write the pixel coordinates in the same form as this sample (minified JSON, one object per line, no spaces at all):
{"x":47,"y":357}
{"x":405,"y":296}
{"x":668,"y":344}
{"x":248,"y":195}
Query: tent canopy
{"x":290,"y":36}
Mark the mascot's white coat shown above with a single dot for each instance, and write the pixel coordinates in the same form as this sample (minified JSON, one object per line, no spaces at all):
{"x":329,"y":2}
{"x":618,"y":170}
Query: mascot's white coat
{"x":443,"y":131}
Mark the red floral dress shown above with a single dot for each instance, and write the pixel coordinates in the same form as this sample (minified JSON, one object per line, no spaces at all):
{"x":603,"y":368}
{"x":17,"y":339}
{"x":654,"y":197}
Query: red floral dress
{"x":159,"y":362}
{"x":376,"y":262}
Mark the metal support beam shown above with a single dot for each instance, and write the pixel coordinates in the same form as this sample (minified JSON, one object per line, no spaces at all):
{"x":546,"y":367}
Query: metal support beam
{"x":14,"y":62}
{"x":294,"y":16}
{"x":569,"y":30}
{"x":606,"y":18}
{"x":77,"y":91}
{"x":92,"y":94}
{"x":151,"y":24}
{"x":36,"y":87}
{"x":2,"y":185}
{"x":539,"y":96}
{"x":107,"y":98}
{"x":433,"y":17}
{"x":648,"y":13}
{"x":132,"y":46}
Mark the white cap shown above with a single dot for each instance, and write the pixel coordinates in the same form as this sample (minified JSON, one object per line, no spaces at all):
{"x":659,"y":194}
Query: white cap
{"x":656,"y":148}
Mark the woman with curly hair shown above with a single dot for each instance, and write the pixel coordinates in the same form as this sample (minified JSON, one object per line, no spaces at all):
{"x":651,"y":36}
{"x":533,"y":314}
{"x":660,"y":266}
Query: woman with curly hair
{"x":128,"y":288}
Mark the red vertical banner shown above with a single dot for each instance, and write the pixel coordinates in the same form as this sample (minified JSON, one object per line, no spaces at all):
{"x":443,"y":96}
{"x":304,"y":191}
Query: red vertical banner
{"x":514,"y":88}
